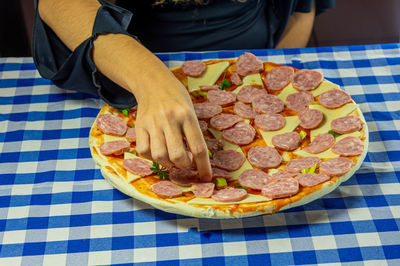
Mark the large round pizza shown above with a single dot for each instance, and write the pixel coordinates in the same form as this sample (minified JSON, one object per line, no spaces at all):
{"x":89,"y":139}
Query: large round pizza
{"x":278,"y":137}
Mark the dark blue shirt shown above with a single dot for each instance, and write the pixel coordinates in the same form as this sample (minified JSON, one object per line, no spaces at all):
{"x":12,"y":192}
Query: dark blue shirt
{"x":218,"y":25}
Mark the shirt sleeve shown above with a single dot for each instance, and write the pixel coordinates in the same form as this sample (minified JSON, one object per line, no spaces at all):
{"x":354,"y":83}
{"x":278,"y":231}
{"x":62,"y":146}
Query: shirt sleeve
{"x":305,"y":6}
{"x":76,"y":70}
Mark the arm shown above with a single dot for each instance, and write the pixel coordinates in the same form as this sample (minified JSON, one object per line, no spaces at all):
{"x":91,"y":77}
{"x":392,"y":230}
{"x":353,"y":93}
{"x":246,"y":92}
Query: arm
{"x":165,"y":111}
{"x":298,"y":30}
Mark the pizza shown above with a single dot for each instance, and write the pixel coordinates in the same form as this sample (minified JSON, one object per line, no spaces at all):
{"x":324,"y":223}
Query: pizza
{"x":278,"y":137}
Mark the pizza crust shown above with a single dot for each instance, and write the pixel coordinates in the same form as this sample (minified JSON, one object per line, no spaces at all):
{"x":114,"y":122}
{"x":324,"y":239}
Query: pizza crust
{"x":179,"y":207}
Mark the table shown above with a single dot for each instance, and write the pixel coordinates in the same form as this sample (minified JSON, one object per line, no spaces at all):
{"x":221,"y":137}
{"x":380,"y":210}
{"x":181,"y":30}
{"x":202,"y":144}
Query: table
{"x":55,"y":207}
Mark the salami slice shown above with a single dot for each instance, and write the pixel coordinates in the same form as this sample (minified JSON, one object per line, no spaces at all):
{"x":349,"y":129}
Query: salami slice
{"x":247,"y":64}
{"x":216,"y":172}
{"x":235,"y":79}
{"x":240,"y":134}
{"x":336,"y":166}
{"x":229,"y":160}
{"x":220,"y":97}
{"x":203,"y":125}
{"x":310,"y":118}
{"x":166,"y":190}
{"x":280,"y":188}
{"x":111,"y":124}
{"x":346,"y":124}
{"x":270,"y":122}
{"x":282,"y":174}
{"x":208,"y":87}
{"x":309,"y":180}
{"x":296,"y":165}
{"x":299,"y":101}
{"x":264,"y":157}
{"x":138,"y":166}
{"x":230,"y":195}
{"x":334,"y":98}
{"x":131,"y":134}
{"x":306,"y":80}
{"x":184,"y":177}
{"x":206,"y":110}
{"x":116,"y":147}
{"x":193,"y":68}
{"x":244,"y":111}
{"x":248,"y":93}
{"x":224,"y":121}
{"x":268,"y":104}
{"x":349,"y":146}
{"x":253,"y":179}
{"x":287,"y":141}
{"x":214,"y":145}
{"x":203,"y":190}
{"x":321,"y":143}
{"x":277,"y":78}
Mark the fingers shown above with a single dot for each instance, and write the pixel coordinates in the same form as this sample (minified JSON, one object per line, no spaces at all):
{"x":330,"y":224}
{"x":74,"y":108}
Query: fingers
{"x":176,"y":148}
{"x":158,"y":147}
{"x":198,"y":148}
{"x":143,"y":143}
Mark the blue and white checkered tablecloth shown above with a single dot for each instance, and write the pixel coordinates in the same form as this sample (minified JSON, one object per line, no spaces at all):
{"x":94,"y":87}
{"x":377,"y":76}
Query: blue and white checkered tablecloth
{"x":55,"y":207}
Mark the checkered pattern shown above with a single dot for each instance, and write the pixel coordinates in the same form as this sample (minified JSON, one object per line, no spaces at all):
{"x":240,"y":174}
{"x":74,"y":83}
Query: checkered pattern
{"x":55,"y":208}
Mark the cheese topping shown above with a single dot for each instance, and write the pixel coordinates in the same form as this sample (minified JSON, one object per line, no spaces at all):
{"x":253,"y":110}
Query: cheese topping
{"x":209,"y":77}
{"x":291,"y":123}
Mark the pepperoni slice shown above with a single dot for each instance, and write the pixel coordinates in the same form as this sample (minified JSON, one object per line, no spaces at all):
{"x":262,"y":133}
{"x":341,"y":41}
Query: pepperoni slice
{"x":306,"y":80}
{"x":138,"y":166}
{"x":203,"y":125}
{"x":229,"y":160}
{"x":268,"y":104}
{"x":310,"y":118}
{"x":280,"y":188}
{"x":282,"y":174}
{"x":336,"y":166}
{"x":334,"y":98}
{"x":321,"y":143}
{"x":248,"y":93}
{"x":230,"y":195}
{"x":287,"y":141}
{"x":346,"y":124}
{"x":309,"y":180}
{"x":244,"y":111}
{"x":235,"y":79}
{"x":216,"y":172}
{"x":184,"y":177}
{"x":206,"y":110}
{"x":131,"y":134}
{"x":264,"y":157}
{"x":277,"y":78}
{"x":166,"y":190}
{"x":193,"y":68}
{"x":203,"y":190}
{"x":296,"y":165}
{"x":247,"y":64}
{"x":253,"y":179}
{"x":270,"y":122}
{"x":220,"y":97}
{"x":224,"y":121}
{"x":111,"y":124}
{"x":349,"y":146}
{"x":299,"y":101}
{"x":214,"y":145}
{"x":208,"y":87}
{"x":116,"y":147}
{"x":240,"y":134}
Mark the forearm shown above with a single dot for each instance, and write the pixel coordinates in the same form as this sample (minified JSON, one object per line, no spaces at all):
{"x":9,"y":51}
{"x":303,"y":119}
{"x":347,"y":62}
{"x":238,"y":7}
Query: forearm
{"x":120,"y":57}
{"x":298,"y":30}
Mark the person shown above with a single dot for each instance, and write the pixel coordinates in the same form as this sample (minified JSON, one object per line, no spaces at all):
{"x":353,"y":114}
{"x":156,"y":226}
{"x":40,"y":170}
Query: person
{"x":100,"y":48}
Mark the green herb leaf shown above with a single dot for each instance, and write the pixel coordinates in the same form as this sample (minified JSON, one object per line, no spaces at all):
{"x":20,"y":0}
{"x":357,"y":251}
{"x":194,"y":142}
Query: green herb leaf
{"x":251,"y":105}
{"x":220,"y":182}
{"x":311,"y":170}
{"x":335,"y":134}
{"x":304,"y":171}
{"x":202,"y":93}
{"x":133,"y":126}
{"x":224,"y":84}
{"x":157,"y":169}
{"x":239,"y":186}
{"x":303,"y":134}
{"x":125,"y":112}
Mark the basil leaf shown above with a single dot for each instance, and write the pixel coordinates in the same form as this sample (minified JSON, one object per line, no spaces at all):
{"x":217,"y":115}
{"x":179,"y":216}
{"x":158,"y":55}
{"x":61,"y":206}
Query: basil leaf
{"x":335,"y":134}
